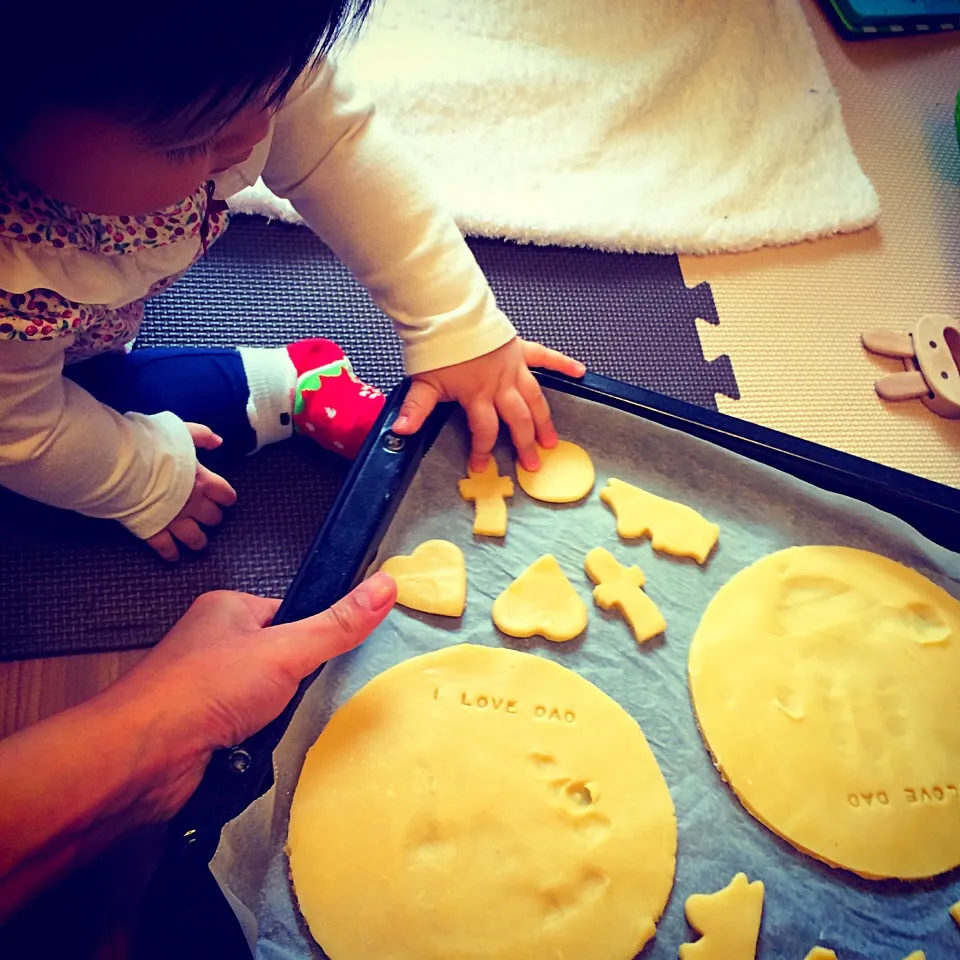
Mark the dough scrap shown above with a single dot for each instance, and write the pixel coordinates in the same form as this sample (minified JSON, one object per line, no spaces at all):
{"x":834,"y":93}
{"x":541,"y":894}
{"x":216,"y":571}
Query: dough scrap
{"x":728,"y":922}
{"x":566,"y":474}
{"x":541,"y":601}
{"x":619,"y":586}
{"x":955,"y":912}
{"x":481,"y":802}
{"x":824,"y":680}
{"x":487,"y":490}
{"x":433,"y":579}
{"x":674,"y":528}
{"x":822,"y":953}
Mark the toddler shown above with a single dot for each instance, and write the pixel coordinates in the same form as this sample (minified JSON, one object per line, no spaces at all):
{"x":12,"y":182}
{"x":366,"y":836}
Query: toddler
{"x":123,"y":130}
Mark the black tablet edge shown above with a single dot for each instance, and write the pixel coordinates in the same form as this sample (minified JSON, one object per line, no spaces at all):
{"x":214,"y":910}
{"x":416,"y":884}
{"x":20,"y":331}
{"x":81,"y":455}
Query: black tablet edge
{"x":335,"y":562}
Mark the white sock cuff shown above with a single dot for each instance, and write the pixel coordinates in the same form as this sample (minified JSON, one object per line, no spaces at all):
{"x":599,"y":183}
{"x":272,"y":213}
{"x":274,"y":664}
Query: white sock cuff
{"x":271,"y":379}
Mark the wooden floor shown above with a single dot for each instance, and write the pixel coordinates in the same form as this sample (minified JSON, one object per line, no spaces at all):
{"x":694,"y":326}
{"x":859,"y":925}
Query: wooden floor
{"x":92,"y":915}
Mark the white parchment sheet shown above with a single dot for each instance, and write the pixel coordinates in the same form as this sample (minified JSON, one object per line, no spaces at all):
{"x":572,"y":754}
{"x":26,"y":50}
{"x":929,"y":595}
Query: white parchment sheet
{"x":759,"y":511}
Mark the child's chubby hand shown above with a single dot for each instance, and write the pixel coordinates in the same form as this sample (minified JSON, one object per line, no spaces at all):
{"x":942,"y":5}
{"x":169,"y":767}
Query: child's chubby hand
{"x":210,"y":493}
{"x":498,"y":385}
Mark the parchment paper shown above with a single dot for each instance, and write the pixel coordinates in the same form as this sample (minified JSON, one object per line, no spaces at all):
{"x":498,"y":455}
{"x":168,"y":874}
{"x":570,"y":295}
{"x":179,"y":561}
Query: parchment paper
{"x":759,"y":510}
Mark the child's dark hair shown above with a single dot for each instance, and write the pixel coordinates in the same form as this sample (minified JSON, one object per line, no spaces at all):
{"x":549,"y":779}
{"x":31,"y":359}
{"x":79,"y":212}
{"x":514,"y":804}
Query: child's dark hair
{"x":162,"y":62}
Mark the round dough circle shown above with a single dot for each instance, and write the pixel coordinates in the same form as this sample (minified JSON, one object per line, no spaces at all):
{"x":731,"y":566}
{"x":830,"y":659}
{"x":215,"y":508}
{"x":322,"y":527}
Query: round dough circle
{"x":483,"y":804}
{"x":566,"y":474}
{"x":824,"y":680}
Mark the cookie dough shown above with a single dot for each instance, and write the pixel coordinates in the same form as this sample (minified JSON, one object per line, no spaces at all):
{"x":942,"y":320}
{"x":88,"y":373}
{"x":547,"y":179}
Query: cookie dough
{"x":433,"y":579}
{"x":674,"y":528}
{"x":478,"y":802}
{"x":955,"y":912}
{"x":822,"y":953}
{"x":619,"y":586}
{"x":566,"y":474}
{"x":541,"y":601}
{"x":728,"y":922}
{"x":487,"y":490}
{"x":824,"y":680}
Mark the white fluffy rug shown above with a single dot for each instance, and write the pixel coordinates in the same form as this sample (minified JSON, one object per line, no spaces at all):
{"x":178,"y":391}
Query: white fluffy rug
{"x":641,"y":125}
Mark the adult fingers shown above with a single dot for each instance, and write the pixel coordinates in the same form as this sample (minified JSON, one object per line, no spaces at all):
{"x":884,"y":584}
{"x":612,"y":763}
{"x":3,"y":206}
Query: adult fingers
{"x":537,"y":355}
{"x":516,"y":414}
{"x":484,"y":426}
{"x":188,"y":532}
{"x":165,"y":545}
{"x":417,"y":405}
{"x":203,"y":437}
{"x":539,"y":409}
{"x":304,"y":645}
{"x":216,"y":488}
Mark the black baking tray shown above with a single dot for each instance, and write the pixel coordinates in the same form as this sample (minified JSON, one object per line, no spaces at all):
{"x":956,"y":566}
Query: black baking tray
{"x":185,"y":914}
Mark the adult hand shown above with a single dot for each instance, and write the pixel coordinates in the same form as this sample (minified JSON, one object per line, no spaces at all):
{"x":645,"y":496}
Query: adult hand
{"x":223,"y":672}
{"x":133,"y":754}
{"x":498,"y":385}
{"x":210,"y":493}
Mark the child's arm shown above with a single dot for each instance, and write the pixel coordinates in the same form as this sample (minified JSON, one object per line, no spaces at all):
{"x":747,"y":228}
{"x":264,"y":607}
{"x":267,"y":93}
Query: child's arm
{"x":62,"y":447}
{"x":364,"y":195}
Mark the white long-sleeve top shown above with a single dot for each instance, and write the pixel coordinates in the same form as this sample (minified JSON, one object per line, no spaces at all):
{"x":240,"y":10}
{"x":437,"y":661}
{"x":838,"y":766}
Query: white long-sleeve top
{"x":359,"y":189}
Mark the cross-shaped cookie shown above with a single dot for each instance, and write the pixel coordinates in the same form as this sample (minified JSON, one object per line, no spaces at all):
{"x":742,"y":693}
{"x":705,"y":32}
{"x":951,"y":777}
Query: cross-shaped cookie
{"x":487,"y":490}
{"x":619,"y":586}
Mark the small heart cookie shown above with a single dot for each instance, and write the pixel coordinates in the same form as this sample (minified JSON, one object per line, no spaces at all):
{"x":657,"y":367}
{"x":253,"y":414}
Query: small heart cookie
{"x":433,"y":579}
{"x":541,"y":601}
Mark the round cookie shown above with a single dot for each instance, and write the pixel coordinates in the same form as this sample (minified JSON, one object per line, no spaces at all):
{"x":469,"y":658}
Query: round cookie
{"x":566,"y":474}
{"x":824,"y":680}
{"x":479,"y":802}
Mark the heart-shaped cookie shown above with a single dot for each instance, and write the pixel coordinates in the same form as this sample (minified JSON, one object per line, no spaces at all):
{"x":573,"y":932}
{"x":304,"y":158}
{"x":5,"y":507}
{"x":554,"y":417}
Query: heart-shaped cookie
{"x":541,"y":601}
{"x":433,"y":579}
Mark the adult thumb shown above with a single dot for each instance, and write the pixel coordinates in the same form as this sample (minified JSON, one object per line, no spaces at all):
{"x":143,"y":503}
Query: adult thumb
{"x":308,"y":643}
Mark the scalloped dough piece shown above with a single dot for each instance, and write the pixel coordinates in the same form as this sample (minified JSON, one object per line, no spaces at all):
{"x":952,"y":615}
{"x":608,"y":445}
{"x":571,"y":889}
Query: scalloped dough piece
{"x":541,"y":602}
{"x":473,"y":785}
{"x":673,"y":528}
{"x":432,"y":579}
{"x":728,"y":921}
{"x":566,"y":474}
{"x":824,"y":681}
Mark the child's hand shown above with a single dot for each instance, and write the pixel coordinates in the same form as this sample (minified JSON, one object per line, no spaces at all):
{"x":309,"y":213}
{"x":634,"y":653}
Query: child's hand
{"x":494,"y":386}
{"x":210,"y":492}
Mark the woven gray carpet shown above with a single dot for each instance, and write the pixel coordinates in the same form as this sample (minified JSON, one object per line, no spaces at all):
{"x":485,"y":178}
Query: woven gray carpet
{"x":73,"y":585}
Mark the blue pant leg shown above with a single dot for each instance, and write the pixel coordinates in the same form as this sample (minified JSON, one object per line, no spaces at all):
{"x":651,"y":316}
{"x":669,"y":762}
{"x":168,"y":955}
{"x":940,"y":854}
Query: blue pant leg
{"x":200,"y":384}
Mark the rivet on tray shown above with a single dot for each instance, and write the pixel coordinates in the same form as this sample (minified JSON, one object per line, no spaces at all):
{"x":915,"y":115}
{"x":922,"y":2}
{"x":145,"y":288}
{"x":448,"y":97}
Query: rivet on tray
{"x":239,"y":761}
{"x":393,"y":443}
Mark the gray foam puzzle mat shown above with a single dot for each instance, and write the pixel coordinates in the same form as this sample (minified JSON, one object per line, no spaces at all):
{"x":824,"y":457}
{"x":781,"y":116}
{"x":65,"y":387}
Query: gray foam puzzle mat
{"x":75,"y":585}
